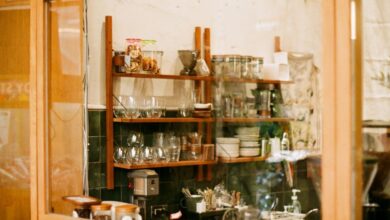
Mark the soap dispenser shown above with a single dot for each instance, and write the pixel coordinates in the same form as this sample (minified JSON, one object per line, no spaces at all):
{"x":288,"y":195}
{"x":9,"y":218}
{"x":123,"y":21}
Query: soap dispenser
{"x":296,"y":205}
{"x":285,"y":142}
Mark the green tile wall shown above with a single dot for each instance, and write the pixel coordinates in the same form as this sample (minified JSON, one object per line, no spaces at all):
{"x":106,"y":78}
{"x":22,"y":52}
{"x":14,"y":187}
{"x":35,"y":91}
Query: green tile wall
{"x":241,"y":177}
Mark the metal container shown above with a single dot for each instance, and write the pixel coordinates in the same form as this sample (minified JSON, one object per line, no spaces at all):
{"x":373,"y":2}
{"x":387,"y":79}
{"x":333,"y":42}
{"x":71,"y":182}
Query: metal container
{"x":146,"y":182}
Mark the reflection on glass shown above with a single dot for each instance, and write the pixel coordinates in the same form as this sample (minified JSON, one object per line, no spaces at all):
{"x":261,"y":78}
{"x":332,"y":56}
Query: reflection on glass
{"x":14,"y":110}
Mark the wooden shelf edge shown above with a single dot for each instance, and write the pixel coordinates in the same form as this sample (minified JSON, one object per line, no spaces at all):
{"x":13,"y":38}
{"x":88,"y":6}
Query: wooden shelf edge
{"x":162,"y":120}
{"x":162,"y":76}
{"x":265,"y":81}
{"x":233,"y":120}
{"x":240,"y":159}
{"x":167,"y":164}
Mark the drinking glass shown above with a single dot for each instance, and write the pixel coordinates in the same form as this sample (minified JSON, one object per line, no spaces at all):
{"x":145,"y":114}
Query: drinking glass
{"x":227,"y":106}
{"x":265,"y":103}
{"x":119,"y":108}
{"x":119,"y":154}
{"x":135,"y":141}
{"x":132,"y":108}
{"x":172,"y":150}
{"x":158,"y":146}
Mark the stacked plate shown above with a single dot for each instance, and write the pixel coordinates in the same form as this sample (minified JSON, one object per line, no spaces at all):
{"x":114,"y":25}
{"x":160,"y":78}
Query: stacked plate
{"x":249,"y":141}
{"x":228,"y":147}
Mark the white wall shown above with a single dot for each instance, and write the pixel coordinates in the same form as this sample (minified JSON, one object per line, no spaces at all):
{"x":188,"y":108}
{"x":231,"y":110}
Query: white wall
{"x":244,"y":27}
{"x":376,"y":60}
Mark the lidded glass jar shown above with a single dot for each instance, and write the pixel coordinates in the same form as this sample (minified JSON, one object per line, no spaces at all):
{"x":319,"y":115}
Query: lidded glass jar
{"x":233,"y":66}
{"x":255,"y":67}
{"x":133,"y":57}
{"x":101,"y":212}
{"x":218,"y":65}
{"x":127,"y":212}
{"x":245,"y":67}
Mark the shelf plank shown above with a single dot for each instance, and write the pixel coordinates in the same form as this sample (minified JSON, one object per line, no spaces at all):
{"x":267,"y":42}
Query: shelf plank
{"x":163,"y":76}
{"x":166,"y":164}
{"x":252,"y":120}
{"x":264,"y":81}
{"x":240,"y":159}
{"x":162,"y":120}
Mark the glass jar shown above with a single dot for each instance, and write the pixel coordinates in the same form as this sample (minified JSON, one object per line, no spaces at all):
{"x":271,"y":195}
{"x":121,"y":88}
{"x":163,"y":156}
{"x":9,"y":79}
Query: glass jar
{"x":238,"y":104}
{"x":127,"y":212}
{"x":232,"y":66}
{"x":133,"y":57}
{"x":101,"y":212}
{"x":245,"y":67}
{"x":151,"y":61}
{"x":217,"y":65}
{"x":119,"y":61}
{"x":255,"y":67}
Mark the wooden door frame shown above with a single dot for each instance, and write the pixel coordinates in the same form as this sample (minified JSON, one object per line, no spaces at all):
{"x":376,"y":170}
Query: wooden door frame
{"x":341,"y":154}
{"x":337,"y":157}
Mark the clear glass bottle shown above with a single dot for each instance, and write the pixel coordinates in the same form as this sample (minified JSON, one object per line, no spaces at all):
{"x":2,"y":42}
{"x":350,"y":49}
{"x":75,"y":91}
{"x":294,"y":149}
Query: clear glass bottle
{"x":101,"y":212}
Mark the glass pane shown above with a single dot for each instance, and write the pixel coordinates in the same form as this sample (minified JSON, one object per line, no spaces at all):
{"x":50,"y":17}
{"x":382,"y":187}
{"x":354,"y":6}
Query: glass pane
{"x":242,"y":34}
{"x":376,"y":105}
{"x":14,"y":110}
{"x":65,"y":102}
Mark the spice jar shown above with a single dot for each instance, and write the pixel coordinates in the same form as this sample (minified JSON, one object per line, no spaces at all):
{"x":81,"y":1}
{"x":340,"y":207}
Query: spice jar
{"x":245,"y":64}
{"x":101,"y":212}
{"x":119,"y":61}
{"x":232,"y":66}
{"x":133,"y":58}
{"x":255,"y":67}
{"x":127,"y":212}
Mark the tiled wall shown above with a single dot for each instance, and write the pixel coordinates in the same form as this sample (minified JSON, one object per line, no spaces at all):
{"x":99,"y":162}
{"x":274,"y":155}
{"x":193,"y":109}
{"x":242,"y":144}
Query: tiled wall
{"x":240,"y":177}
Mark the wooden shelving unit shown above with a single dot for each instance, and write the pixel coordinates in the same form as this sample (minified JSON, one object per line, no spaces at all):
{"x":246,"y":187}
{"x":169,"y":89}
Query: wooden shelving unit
{"x":202,"y":83}
{"x":240,"y":159}
{"x":163,"y":76}
{"x":162,"y":120}
{"x":166,"y":164}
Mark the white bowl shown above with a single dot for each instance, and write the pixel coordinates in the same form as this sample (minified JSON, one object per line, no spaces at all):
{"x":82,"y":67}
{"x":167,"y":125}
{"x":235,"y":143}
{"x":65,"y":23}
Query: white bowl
{"x":202,"y":105}
{"x":228,"y":140}
{"x":249,"y":152}
{"x":249,"y":144}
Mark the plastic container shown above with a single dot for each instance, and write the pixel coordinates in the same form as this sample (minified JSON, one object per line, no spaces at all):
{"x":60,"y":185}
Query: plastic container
{"x":151,"y":61}
{"x":133,"y":57}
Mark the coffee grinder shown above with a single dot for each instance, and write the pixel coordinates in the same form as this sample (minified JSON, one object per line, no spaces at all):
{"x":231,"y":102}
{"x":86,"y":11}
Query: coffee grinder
{"x":145,"y":185}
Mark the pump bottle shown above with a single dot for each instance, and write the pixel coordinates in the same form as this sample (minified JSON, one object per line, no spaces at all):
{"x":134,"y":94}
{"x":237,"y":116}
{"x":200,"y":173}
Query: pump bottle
{"x":296,"y":205}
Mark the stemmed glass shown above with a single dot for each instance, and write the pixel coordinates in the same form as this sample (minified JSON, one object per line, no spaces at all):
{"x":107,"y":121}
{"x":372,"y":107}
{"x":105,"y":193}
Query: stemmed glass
{"x":135,"y":141}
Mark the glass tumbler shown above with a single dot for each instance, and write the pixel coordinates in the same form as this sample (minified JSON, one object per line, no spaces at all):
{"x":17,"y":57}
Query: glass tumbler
{"x":172,"y":151}
{"x":265,"y":103}
{"x":132,"y":108}
{"x":227,"y":106}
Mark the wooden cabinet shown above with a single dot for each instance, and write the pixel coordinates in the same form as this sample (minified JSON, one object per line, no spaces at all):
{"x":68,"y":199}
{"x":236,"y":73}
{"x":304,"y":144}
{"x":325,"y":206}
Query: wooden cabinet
{"x":201,"y":122}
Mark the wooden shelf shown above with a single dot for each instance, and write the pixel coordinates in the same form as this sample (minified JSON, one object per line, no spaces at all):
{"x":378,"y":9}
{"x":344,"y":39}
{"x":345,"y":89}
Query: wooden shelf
{"x":162,"y":120}
{"x":166,"y":164}
{"x":163,"y":76}
{"x":252,"y":120}
{"x":265,"y":81}
{"x":240,"y":159}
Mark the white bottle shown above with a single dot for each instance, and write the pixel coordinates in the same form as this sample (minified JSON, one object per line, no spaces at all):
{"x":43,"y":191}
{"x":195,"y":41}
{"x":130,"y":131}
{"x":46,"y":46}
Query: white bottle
{"x":285,"y":142}
{"x":296,"y":205}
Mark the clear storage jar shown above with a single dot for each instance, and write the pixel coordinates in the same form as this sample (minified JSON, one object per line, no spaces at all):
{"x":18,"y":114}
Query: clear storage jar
{"x":101,"y":212}
{"x":255,"y":67}
{"x":245,"y":67}
{"x":218,"y":65}
{"x":232,"y":66}
{"x":133,"y":57}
